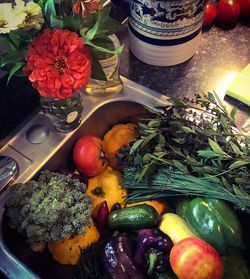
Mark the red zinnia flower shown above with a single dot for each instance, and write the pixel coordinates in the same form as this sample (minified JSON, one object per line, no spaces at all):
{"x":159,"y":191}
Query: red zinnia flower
{"x":90,"y":6}
{"x":58,"y":63}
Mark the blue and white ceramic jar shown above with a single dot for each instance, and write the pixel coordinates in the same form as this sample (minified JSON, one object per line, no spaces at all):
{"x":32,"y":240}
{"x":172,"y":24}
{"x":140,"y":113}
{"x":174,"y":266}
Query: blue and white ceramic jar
{"x":165,"y":32}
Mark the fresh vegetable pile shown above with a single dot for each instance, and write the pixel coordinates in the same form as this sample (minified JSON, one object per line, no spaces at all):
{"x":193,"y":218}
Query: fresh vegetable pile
{"x":225,"y":11}
{"x":161,"y":198}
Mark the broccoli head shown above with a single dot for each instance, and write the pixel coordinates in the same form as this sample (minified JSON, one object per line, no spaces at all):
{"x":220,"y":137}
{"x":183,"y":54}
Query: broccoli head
{"x":49,"y":209}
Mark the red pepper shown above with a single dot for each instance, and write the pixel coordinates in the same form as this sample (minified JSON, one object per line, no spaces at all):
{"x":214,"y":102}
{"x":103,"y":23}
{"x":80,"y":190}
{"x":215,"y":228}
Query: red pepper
{"x":102,"y":216}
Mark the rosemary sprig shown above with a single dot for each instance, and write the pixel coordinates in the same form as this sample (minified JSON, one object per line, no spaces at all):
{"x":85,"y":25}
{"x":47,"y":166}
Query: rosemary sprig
{"x":198,"y":138}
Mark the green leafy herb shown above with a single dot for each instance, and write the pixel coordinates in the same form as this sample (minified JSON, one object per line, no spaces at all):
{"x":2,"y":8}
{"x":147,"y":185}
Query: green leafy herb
{"x":197,"y":139}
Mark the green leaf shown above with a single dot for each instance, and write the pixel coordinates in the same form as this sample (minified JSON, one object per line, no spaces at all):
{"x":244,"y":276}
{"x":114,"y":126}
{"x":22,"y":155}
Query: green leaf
{"x":97,"y":72}
{"x":219,"y":102}
{"x":116,"y":51}
{"x":216,"y":148}
{"x":49,"y":10}
{"x":225,"y":183}
{"x":135,"y":146}
{"x":236,"y":149}
{"x":177,"y":150}
{"x":177,"y":102}
{"x":188,"y":130}
{"x":233,"y":112}
{"x":104,"y":42}
{"x":73,"y":24}
{"x":148,"y":139}
{"x":92,"y":31}
{"x":180,"y":166}
{"x":154,"y":123}
{"x":179,"y":140}
{"x":14,"y":39}
{"x":4,"y":44}
{"x":203,"y":100}
{"x":223,"y":122}
{"x":211,"y":97}
{"x":238,"y":164}
{"x":13,"y":57}
{"x":208,"y":153}
{"x":18,"y":66}
{"x":147,"y":158}
{"x":143,"y":172}
{"x":56,"y":22}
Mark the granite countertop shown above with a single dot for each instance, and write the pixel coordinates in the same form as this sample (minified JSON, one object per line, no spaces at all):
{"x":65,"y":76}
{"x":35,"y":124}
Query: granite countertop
{"x":221,"y":53}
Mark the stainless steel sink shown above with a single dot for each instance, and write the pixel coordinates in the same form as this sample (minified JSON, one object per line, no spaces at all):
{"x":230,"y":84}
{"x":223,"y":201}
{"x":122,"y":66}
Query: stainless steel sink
{"x":37,"y":145}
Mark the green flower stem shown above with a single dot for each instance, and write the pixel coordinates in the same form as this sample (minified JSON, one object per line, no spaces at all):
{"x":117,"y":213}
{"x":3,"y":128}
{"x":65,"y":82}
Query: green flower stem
{"x":11,"y":42}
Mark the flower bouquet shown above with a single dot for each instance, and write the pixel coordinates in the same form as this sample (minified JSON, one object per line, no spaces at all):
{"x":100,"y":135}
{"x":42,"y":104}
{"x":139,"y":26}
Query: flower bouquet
{"x":58,"y":46}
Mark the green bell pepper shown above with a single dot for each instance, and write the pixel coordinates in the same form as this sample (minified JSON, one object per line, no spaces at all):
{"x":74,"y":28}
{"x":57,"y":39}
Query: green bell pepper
{"x":214,"y":221}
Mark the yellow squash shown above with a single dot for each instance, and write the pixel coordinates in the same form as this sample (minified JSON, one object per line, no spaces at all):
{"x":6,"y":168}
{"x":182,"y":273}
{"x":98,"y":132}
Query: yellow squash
{"x":68,"y":251}
{"x":106,"y":187}
{"x":175,"y":227}
{"x":118,"y":136}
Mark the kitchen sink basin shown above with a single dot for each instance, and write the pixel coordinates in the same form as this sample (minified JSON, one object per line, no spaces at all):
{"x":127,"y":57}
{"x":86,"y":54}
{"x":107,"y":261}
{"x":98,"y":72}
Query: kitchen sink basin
{"x":38,"y":146}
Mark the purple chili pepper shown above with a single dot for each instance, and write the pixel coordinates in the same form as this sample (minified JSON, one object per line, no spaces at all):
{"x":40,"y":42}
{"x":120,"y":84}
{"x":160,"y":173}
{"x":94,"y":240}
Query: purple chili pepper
{"x":102,"y":216}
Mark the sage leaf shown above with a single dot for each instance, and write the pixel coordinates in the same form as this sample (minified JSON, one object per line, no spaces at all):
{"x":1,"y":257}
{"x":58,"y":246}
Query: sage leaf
{"x":238,"y":164}
{"x":223,"y":122}
{"x":154,"y":123}
{"x":208,"y":153}
{"x":143,"y":172}
{"x":233,"y":112}
{"x":236,"y":149}
{"x":135,"y":146}
{"x":219,"y":101}
{"x":188,"y":130}
{"x":180,"y":166}
{"x":226,"y":184}
{"x":148,"y":139}
{"x":216,"y":148}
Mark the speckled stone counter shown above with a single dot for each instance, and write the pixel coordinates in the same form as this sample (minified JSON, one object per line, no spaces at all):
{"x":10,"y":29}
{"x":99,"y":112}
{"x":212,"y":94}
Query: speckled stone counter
{"x":220,"y":51}
{"x":220,"y":56}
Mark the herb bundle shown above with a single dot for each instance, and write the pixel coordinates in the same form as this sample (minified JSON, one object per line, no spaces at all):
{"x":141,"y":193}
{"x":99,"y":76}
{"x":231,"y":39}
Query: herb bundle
{"x":189,"y":148}
{"x":90,"y":264}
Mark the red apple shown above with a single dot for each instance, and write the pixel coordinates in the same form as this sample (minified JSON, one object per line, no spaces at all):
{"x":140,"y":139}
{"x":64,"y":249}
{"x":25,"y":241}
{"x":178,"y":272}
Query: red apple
{"x":193,"y":258}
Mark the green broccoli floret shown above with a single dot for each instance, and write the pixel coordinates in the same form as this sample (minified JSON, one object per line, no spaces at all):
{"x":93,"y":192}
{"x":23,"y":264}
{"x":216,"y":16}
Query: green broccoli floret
{"x":49,"y":209}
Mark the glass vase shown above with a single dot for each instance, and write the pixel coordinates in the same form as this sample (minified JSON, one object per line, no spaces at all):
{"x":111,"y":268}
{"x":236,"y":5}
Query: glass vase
{"x":65,"y":114}
{"x":110,"y":66}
